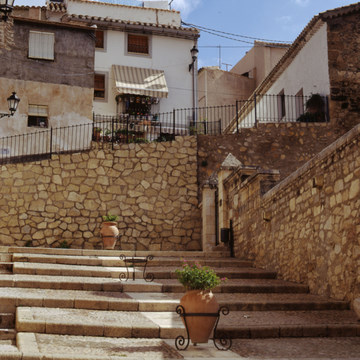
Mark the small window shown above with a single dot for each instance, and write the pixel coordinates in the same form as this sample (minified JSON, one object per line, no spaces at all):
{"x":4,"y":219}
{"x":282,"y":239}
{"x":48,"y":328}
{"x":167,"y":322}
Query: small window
{"x":38,"y":116}
{"x":138,"y":44}
{"x":41,"y":45}
{"x":99,"y":39}
{"x":99,"y":86}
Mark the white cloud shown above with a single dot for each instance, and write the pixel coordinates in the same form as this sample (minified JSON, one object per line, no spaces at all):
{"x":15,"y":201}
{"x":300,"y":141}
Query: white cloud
{"x":302,"y":3}
{"x":185,"y":6}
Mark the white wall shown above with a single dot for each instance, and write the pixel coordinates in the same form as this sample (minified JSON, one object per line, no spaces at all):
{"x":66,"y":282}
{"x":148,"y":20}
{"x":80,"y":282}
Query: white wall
{"x":125,"y":13}
{"x":172,"y":55}
{"x":309,"y":70}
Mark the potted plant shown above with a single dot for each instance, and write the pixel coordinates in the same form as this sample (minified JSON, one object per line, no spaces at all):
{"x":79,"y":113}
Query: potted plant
{"x":109,"y":231}
{"x":97,"y":133}
{"x":198,"y":282}
{"x":107,"y":135}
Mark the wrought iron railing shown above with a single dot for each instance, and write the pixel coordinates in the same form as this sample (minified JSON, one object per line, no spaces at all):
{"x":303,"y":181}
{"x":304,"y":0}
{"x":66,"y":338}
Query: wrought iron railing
{"x":125,"y":128}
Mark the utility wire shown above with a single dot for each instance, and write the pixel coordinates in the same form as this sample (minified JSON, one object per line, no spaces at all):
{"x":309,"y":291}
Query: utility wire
{"x":205,"y":29}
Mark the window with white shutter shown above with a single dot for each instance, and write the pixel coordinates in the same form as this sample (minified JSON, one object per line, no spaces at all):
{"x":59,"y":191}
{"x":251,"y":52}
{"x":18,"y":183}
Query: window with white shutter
{"x":41,"y":45}
{"x":38,"y":115}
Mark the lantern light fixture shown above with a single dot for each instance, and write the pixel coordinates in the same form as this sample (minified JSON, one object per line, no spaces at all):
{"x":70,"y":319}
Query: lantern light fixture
{"x":13,"y":102}
{"x":194,"y":53}
{"x":6,"y":7}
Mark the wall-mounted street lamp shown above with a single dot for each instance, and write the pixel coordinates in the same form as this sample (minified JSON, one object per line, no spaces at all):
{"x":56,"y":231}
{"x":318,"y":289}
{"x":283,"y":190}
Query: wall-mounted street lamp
{"x":13,"y":102}
{"x":194,"y":53}
{"x":6,"y":7}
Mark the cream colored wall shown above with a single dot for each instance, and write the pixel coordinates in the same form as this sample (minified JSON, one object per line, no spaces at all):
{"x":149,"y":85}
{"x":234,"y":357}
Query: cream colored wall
{"x":67,"y":105}
{"x":218,"y":87}
{"x":259,"y":61}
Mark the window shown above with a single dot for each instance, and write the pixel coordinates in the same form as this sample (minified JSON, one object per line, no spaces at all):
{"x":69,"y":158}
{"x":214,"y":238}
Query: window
{"x":281,"y":105}
{"x":38,"y":116}
{"x":41,"y":45}
{"x":99,"y":86}
{"x":138,"y":44}
{"x":99,"y":39}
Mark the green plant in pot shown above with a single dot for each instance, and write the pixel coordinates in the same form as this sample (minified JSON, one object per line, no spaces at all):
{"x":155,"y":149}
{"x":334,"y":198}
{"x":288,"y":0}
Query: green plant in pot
{"x":198,"y":282}
{"x":109,"y":231}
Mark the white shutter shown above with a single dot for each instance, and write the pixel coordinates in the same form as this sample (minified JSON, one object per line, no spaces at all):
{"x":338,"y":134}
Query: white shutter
{"x":41,"y":45}
{"x":38,"y":110}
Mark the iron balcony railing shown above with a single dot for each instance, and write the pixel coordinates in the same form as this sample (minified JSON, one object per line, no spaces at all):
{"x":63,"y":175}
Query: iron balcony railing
{"x":125,"y":128}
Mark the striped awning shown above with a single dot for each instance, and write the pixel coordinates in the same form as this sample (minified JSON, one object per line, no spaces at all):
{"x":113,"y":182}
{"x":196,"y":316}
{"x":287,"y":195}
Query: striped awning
{"x":140,"y":81}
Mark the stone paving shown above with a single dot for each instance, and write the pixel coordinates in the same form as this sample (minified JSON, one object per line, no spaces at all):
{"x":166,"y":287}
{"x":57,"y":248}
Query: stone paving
{"x":66,"y":309}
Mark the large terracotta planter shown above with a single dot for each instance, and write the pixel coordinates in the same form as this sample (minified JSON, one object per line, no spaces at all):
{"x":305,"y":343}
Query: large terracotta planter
{"x":199,"y":301}
{"x":109,"y":233}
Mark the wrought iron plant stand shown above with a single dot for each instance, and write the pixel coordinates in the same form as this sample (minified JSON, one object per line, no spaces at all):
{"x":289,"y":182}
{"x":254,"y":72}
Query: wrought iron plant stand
{"x":136,"y":260}
{"x":223,"y":343}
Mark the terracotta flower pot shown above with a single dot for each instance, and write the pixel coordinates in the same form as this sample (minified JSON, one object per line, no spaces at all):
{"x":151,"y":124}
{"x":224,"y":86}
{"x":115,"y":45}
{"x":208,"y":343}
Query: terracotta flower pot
{"x":109,"y":233}
{"x":200,"y":301}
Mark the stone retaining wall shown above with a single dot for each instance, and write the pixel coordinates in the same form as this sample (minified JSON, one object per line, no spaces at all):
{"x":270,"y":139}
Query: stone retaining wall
{"x":284,"y":147}
{"x":308,"y":226}
{"x":152,"y":187}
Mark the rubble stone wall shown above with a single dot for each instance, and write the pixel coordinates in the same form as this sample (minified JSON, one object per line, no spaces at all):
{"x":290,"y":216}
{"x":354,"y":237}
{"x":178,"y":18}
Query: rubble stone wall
{"x":308,"y":226}
{"x":152,"y":187}
{"x":284,"y":147}
{"x":344,"y":69}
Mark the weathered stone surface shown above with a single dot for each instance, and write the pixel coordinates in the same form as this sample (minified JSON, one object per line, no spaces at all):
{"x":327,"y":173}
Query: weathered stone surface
{"x":64,"y":198}
{"x":311,"y":231}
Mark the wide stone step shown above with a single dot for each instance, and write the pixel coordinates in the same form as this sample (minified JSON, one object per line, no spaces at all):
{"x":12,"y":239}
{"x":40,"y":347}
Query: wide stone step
{"x":156,"y":300}
{"x":115,"y":272}
{"x":168,"y":325}
{"x":114,"y":261}
{"x":9,"y":351}
{"x":116,"y":253}
{"x":84,"y":348}
{"x":243,"y":286}
{"x":65,"y":347}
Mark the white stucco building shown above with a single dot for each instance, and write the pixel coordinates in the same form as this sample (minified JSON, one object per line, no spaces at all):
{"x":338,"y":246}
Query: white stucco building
{"x":301,"y":72}
{"x":142,"y":57}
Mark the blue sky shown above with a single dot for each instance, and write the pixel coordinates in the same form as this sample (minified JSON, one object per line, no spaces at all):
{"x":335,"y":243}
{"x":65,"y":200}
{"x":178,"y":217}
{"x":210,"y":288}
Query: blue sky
{"x":277,"y":20}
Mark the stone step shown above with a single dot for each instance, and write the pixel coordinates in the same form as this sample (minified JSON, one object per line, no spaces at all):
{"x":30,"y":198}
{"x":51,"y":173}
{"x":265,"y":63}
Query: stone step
{"x":95,"y":348}
{"x":116,"y":253}
{"x":157,"y":301}
{"x":65,"y":347}
{"x":243,"y":286}
{"x":114,"y":272}
{"x":7,"y":320}
{"x":12,"y":297}
{"x":115,"y":261}
{"x":9,"y":351}
{"x":168,"y":325}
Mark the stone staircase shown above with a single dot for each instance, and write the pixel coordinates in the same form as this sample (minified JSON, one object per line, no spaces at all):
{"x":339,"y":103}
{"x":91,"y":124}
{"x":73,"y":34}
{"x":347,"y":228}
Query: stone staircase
{"x":70,"y":304}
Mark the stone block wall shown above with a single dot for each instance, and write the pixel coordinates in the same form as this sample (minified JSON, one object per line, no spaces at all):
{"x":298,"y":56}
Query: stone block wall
{"x":308,"y":226}
{"x":284,"y":147}
{"x":344,"y":68}
{"x":152,"y":187}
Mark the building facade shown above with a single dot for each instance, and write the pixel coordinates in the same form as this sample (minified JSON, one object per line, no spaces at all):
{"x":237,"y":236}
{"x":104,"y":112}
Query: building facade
{"x":49,"y":65}
{"x":142,"y":57}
